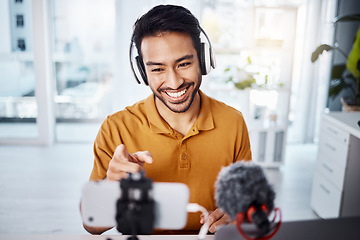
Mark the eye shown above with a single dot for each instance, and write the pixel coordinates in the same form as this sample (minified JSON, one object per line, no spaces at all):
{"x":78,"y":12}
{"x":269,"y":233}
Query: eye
{"x":157,"y":70}
{"x":184,"y":64}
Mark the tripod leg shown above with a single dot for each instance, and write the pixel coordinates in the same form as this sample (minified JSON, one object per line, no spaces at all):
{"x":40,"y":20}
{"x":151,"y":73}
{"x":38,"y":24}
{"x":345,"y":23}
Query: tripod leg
{"x":133,"y":238}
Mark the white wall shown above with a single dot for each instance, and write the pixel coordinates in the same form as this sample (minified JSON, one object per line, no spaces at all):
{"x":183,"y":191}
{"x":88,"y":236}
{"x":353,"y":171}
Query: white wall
{"x":5,"y":41}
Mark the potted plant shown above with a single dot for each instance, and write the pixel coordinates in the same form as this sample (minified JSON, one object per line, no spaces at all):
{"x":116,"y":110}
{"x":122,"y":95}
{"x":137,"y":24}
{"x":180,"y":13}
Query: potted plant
{"x":240,"y":77}
{"x":346,"y":75}
{"x":249,"y":75}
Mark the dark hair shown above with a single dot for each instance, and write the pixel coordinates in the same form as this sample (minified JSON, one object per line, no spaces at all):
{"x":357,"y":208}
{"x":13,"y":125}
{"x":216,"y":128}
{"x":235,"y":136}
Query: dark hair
{"x":166,"y":18}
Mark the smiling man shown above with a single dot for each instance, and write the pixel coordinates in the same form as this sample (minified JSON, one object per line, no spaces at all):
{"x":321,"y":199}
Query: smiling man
{"x":172,"y":65}
{"x":177,"y":134}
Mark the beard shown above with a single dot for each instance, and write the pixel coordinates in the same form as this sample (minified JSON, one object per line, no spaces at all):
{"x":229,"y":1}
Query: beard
{"x":185,"y":104}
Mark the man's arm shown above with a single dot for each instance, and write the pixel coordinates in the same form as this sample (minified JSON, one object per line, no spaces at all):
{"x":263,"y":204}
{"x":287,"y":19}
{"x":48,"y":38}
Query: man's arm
{"x":120,"y":165}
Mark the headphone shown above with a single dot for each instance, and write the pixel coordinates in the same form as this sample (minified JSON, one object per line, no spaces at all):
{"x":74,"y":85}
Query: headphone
{"x":206,"y":60}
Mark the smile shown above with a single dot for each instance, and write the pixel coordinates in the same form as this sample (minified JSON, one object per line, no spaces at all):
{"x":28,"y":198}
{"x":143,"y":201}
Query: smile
{"x":176,"y":94}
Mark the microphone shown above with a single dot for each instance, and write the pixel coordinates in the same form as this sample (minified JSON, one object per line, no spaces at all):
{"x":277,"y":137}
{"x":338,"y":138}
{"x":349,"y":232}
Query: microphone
{"x":243,"y":192}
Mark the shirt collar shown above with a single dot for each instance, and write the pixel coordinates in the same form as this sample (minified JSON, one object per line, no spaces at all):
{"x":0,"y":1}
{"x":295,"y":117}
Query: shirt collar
{"x":205,"y":119}
{"x":158,"y":124}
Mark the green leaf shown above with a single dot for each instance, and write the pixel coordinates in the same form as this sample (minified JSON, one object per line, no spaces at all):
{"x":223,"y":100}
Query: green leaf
{"x":347,"y":18}
{"x":245,"y":83}
{"x":249,"y":60}
{"x":319,"y":50}
{"x":337,"y":71}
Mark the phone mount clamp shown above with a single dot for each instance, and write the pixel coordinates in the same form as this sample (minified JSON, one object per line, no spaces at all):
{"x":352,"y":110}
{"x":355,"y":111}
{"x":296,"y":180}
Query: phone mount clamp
{"x":135,"y":212}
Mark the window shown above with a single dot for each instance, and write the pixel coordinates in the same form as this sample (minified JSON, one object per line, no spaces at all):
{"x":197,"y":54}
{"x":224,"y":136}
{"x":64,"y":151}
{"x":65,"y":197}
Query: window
{"x":19,"y":21}
{"x":18,"y":106}
{"x":21,"y":44}
{"x":83,"y":57}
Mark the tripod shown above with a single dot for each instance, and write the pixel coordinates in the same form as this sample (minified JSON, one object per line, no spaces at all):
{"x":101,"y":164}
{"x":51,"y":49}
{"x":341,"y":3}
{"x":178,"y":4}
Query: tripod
{"x":135,"y":208}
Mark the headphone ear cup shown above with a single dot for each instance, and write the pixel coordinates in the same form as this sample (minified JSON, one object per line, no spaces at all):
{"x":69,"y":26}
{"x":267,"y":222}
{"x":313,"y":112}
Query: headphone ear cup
{"x":205,"y":58}
{"x":141,"y":70}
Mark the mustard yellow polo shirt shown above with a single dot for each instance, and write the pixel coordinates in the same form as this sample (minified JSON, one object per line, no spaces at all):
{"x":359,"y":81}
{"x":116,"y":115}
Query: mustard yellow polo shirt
{"x":218,"y":138}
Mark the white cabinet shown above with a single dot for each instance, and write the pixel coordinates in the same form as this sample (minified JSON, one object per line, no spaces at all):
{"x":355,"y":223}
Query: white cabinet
{"x":335,"y":186}
{"x":268,"y":145}
{"x":326,"y":198}
{"x":267,"y":118}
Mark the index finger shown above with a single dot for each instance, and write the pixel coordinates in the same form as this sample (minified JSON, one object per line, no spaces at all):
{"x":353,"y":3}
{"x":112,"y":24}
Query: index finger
{"x":143,"y":157}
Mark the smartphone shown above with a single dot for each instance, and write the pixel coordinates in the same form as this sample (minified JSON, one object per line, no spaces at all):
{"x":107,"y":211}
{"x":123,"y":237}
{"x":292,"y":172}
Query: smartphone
{"x":98,"y":204}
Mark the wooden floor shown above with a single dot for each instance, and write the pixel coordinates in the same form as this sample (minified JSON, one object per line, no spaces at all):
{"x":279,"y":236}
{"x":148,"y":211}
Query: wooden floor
{"x":40,"y":186}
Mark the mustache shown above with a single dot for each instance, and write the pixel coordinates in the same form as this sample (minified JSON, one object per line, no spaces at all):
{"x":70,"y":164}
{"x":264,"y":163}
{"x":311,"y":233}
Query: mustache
{"x":184,"y":85}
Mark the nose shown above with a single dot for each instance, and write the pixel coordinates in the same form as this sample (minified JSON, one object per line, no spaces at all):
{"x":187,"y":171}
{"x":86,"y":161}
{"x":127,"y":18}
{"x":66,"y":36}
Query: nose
{"x":174,"y":80}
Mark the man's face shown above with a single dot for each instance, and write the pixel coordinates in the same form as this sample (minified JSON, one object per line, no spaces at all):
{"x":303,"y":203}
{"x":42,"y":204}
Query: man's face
{"x":172,"y":68}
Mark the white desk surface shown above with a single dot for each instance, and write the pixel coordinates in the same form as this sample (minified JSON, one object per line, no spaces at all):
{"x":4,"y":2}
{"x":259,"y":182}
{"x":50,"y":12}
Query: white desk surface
{"x":348,"y":121}
{"x":99,"y":237}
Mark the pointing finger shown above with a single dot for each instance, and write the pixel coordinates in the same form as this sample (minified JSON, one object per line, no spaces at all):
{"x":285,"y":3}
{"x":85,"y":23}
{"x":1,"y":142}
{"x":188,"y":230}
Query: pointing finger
{"x":143,"y":157}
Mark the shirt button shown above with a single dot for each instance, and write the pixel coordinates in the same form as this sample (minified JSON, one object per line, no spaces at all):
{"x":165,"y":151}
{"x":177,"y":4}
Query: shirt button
{"x":183,"y":156}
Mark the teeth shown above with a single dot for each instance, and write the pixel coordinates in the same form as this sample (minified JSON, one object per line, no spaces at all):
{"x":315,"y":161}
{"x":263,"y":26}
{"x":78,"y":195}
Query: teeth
{"x":177,"y":94}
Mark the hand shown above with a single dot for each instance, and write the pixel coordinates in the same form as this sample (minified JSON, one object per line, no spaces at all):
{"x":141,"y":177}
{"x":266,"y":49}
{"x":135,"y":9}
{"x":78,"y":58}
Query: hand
{"x":124,"y":162}
{"x":216,"y":219}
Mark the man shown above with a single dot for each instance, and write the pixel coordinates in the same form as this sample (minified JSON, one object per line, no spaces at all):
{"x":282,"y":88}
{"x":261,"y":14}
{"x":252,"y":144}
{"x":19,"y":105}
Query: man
{"x":178,"y":134}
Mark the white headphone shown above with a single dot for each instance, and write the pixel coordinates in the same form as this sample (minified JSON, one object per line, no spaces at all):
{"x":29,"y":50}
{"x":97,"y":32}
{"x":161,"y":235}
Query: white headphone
{"x":206,"y":60}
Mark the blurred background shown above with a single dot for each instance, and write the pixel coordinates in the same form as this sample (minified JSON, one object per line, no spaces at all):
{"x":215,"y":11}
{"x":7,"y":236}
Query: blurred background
{"x":64,"y":66}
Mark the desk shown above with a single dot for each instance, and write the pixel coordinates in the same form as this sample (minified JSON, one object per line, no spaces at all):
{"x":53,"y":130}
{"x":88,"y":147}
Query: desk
{"x":100,"y":237}
{"x":329,"y":229}
{"x":335,"y":191}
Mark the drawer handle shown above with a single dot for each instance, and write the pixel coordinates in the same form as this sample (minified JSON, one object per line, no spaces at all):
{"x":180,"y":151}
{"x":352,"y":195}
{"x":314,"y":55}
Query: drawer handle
{"x":325,"y":189}
{"x":328,"y":168}
{"x":332,"y":130}
{"x":331,"y":147}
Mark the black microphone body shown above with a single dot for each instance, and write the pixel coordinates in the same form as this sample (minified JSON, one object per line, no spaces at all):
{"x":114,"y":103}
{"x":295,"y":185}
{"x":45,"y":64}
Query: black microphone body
{"x":241,"y":186}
